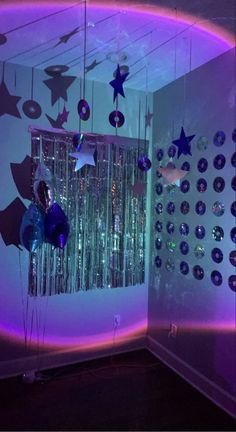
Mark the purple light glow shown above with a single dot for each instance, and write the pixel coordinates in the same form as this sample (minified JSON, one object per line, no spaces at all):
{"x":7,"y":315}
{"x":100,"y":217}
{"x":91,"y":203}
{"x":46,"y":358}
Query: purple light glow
{"x":80,"y":343}
{"x":11,"y":326}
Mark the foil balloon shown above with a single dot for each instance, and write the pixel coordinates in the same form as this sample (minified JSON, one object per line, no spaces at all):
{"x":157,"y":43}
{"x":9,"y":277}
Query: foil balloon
{"x":56,"y":226}
{"x":43,"y":193}
{"x":43,"y":186}
{"x":32,"y":228}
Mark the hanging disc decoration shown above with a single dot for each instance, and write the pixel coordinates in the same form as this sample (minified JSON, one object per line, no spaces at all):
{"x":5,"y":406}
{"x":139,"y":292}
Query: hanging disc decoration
{"x":217,"y":233}
{"x":56,"y":70}
{"x":232,"y":257}
{"x":158,"y":226}
{"x":233,"y":160}
{"x":200,"y":231}
{"x":234,"y":135}
{"x":116,"y":119}
{"x":233,"y":208}
{"x":219,"y":138}
{"x":198,"y":272}
{"x":202,"y":143}
{"x":144,"y":163}
{"x":170,"y":227}
{"x":32,"y":109}
{"x":217,"y":255}
{"x":219,"y":184}
{"x":184,"y":268}
{"x":83,"y":109}
{"x":158,"y":261}
{"x":219,"y":161}
{"x":216,"y":278}
{"x":232,"y":282}
{"x":199,"y":251}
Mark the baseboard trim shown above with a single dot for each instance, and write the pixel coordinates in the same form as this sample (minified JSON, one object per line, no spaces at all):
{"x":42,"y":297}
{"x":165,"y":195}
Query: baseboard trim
{"x":66,"y":357}
{"x":211,"y":390}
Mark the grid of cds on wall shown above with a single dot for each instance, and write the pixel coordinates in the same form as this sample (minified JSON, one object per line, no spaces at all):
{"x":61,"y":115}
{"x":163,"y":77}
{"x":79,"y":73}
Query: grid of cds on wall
{"x":195,"y":208}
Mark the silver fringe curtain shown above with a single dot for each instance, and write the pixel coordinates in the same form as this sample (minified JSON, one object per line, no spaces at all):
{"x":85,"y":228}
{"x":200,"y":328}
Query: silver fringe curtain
{"x":106,"y":246}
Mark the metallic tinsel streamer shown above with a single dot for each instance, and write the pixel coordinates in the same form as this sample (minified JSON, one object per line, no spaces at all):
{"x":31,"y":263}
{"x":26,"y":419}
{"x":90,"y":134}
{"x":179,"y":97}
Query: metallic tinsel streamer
{"x":106,"y":246}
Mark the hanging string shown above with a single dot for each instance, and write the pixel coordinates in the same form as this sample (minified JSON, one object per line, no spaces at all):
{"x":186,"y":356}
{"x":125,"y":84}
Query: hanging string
{"x":3,"y":71}
{"x":184,"y":84}
{"x":24,"y":312}
{"x":32,"y":84}
{"x":92,"y":107}
{"x":85,"y":44}
{"x":175,"y":67}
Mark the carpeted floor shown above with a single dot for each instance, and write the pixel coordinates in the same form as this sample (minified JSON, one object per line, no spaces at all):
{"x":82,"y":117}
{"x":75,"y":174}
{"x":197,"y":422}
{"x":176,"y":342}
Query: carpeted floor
{"x":129,"y":392}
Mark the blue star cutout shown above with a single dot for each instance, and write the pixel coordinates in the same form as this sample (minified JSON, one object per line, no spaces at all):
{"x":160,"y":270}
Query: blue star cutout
{"x":183,"y":143}
{"x":117,"y":83}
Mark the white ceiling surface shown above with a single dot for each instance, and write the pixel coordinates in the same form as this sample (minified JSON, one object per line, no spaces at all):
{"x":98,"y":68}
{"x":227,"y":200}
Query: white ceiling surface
{"x":156,"y":49}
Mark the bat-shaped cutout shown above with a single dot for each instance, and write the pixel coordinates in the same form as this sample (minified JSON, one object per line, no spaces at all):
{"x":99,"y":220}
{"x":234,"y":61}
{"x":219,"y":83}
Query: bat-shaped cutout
{"x":10,"y":222}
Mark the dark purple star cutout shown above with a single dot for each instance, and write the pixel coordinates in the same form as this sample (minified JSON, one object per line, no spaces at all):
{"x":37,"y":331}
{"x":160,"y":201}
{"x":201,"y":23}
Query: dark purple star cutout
{"x":8,"y":102}
{"x":117,"y":83}
{"x":58,"y":86}
{"x":183,"y":143}
{"x":66,"y":37}
{"x":148,"y":118}
{"x":57,"y":124}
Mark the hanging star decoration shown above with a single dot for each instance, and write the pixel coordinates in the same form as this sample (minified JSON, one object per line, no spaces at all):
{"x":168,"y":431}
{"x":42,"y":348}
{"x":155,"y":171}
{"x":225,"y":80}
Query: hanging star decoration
{"x":86,"y":156}
{"x":92,"y":66}
{"x":64,"y":115}
{"x":118,"y":82}
{"x":171,"y":174}
{"x":137,"y":188}
{"x":66,"y":37}
{"x":59,"y":85}
{"x":57,"y":124}
{"x":183,"y":143}
{"x":8,"y":103}
{"x":148,"y":118}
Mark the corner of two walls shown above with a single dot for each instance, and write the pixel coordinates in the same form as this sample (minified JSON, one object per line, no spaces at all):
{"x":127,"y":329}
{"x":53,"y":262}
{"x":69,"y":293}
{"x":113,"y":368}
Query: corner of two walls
{"x":204,"y":350}
{"x":81,"y":324}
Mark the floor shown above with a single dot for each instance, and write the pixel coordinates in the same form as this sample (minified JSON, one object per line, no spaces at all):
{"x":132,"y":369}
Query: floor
{"x":127,"y":392}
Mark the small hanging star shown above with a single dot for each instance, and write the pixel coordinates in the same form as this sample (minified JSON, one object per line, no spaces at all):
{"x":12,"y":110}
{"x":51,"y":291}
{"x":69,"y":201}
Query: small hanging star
{"x":92,"y":66}
{"x":117,"y":83}
{"x":64,"y":115}
{"x":57,"y":124}
{"x":84,"y":157}
{"x":58,"y":86}
{"x":66,"y":37}
{"x":171,"y":174}
{"x":8,"y":103}
{"x":148,"y":118}
{"x":183,"y":143}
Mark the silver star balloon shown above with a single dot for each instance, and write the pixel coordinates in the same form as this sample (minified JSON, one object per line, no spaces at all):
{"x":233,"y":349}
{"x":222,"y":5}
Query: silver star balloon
{"x":84,"y":157}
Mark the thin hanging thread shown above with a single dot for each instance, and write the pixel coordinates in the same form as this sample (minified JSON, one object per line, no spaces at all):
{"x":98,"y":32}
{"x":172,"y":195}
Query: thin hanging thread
{"x":85,"y":44}
{"x":175,"y":67}
{"x":3,"y":71}
{"x":185,"y":80}
{"x":92,"y":106}
{"x":32,"y":84}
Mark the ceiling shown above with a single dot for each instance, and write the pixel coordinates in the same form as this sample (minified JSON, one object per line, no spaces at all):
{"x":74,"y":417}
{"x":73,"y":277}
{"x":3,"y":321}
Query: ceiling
{"x":157,"y":43}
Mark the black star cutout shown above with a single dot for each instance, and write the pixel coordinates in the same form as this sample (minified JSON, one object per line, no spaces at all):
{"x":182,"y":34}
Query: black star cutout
{"x":183,"y":143}
{"x":117,"y":83}
{"x":8,"y":102}
{"x":58,"y":86}
{"x":92,"y":66}
{"x":66,"y":37}
{"x":57,"y":124}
